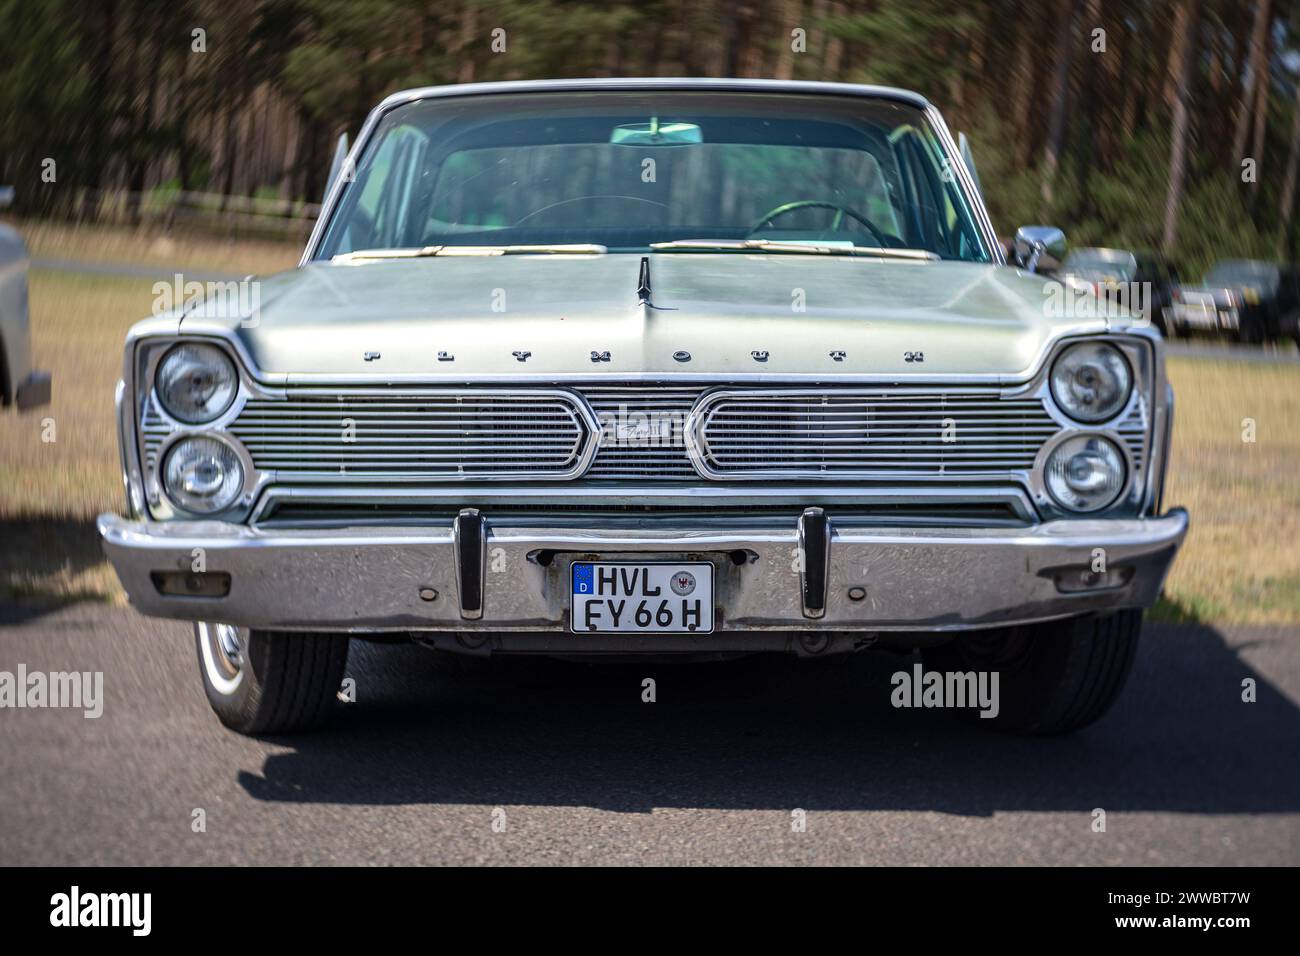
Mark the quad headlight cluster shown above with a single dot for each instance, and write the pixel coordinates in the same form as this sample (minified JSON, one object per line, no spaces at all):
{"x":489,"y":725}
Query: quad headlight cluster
{"x":1091,"y":382}
{"x":196,"y":383}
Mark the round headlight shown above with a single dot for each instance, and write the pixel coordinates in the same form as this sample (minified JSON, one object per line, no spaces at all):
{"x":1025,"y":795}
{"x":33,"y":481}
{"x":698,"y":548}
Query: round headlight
{"x":1085,"y":473}
{"x":196,"y":383}
{"x":202,"y":475}
{"x":1091,"y":381}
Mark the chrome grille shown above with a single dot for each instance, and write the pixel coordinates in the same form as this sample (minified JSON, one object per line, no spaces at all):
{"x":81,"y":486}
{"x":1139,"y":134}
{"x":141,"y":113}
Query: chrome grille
{"x":859,"y":433}
{"x":442,"y":435}
{"x":789,"y":433}
{"x":154,"y":429}
{"x":1133,"y":429}
{"x":641,"y":432}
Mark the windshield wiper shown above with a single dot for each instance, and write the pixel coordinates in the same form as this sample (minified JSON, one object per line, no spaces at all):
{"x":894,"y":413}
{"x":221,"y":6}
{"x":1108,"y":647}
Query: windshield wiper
{"x":581,"y":248}
{"x":796,"y":248}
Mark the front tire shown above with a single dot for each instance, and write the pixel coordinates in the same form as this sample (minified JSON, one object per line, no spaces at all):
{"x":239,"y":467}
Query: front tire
{"x":1055,"y":677}
{"x":269,"y":682}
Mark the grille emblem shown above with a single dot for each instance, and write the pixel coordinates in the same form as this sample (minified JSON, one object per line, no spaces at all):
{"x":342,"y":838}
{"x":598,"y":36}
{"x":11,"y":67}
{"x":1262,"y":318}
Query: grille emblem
{"x":600,"y":356}
{"x":446,"y":357}
{"x":522,"y":356}
{"x":760,"y":355}
{"x":682,"y":356}
{"x":370,"y":356}
{"x":838,"y":355}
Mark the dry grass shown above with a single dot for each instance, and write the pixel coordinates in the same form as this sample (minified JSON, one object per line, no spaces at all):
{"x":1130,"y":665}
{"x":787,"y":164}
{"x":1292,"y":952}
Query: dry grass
{"x":1241,"y":562}
{"x":54,"y":240}
{"x":50,"y":491}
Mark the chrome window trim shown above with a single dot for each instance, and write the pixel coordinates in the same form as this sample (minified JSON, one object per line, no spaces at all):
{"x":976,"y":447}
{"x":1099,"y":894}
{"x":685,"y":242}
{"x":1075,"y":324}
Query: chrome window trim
{"x":972,"y":193}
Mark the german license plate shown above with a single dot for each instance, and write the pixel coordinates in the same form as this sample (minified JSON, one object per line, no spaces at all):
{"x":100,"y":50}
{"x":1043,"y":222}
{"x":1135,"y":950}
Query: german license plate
{"x":657,"y":598}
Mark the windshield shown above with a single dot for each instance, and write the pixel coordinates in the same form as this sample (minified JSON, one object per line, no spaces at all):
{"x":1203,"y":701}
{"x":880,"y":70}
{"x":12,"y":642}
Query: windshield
{"x":1262,"y":275}
{"x":627,"y":170}
{"x":1100,"y":262}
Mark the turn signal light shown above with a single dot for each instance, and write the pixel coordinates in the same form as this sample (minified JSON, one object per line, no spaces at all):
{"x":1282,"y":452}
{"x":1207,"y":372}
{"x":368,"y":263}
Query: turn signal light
{"x":207,"y":584}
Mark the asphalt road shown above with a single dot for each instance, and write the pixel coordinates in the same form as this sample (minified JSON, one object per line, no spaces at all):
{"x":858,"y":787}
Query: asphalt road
{"x":585,"y":772}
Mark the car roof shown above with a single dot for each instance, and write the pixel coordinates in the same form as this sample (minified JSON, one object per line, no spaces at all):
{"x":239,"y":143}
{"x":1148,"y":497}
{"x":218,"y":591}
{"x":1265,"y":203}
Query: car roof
{"x":624,"y":84}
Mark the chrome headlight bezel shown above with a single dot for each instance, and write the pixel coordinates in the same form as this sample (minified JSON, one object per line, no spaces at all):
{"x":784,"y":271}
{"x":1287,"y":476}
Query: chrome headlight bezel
{"x":1126,"y":384}
{"x":152,"y":430}
{"x":218,"y":358}
{"x":1138,"y":428}
{"x":1110,"y":443}
{"x":239,"y":460}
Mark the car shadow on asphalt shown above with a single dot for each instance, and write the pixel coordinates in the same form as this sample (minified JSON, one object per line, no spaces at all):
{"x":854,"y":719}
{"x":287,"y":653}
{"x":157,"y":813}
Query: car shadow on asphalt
{"x":778,"y":733}
{"x":39,"y":556}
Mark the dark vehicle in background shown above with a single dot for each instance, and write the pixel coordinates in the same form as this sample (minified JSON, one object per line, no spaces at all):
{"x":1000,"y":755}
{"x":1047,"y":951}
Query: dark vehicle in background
{"x":1106,"y":272}
{"x":1248,"y":299}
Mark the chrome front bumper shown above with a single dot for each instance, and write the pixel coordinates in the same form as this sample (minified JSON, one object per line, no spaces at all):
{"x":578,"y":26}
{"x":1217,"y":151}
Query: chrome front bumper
{"x":481,"y":574}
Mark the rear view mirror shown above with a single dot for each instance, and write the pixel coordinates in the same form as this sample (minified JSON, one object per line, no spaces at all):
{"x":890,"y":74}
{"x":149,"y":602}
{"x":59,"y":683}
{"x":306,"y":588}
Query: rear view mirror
{"x":655,"y":133}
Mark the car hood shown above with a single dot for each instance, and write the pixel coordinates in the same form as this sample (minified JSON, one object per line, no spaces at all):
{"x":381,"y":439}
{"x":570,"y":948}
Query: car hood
{"x":706,"y":314}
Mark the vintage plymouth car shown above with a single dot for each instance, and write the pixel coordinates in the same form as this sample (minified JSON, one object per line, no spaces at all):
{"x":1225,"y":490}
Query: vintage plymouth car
{"x":650,"y":367}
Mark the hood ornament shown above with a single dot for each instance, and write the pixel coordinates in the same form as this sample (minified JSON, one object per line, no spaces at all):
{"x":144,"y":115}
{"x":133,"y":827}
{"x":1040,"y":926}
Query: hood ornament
{"x":521,"y":355}
{"x":760,"y":355}
{"x":643,"y":289}
{"x":643,"y":283}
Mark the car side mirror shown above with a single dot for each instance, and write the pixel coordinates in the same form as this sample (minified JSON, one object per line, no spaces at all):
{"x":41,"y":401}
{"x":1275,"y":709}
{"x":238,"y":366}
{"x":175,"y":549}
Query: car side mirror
{"x":1033,"y":242}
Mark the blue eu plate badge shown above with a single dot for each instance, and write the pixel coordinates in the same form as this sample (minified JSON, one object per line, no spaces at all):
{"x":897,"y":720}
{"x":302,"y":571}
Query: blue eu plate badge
{"x":582,"y":580}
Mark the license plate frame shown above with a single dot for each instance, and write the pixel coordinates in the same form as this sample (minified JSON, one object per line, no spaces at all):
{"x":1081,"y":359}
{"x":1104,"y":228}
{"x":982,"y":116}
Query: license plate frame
{"x":577,"y":602}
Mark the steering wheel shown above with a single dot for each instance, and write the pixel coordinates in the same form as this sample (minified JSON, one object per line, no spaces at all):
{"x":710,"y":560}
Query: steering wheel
{"x":840,"y":213}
